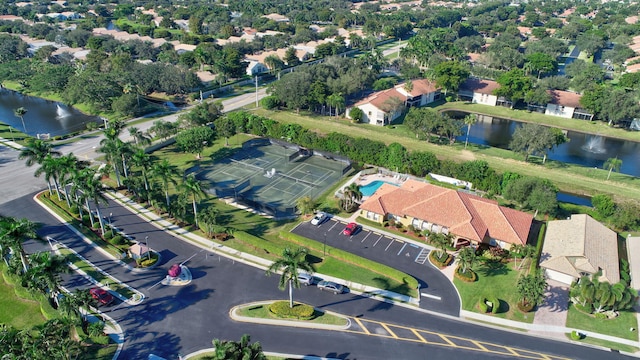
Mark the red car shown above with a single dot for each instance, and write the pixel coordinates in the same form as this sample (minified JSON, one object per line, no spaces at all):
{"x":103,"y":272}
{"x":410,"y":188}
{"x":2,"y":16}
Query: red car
{"x":102,"y":295}
{"x":350,"y":229}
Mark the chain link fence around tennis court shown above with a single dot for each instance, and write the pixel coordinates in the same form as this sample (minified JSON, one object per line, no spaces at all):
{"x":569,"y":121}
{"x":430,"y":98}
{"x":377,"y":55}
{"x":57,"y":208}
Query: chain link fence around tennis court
{"x":270,"y":175}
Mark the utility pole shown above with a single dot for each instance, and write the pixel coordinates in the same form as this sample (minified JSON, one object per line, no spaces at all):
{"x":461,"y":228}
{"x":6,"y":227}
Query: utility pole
{"x":256,"y":90}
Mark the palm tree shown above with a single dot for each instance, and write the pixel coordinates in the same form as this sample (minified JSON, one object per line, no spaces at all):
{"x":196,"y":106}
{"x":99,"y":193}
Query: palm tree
{"x":69,"y":164}
{"x":12,"y":232}
{"x":209,"y":218}
{"x":469,"y":120}
{"x":612,"y":164}
{"x":36,"y":151}
{"x":290,"y":262}
{"x":143,"y":160}
{"x":350,"y":195}
{"x":466,"y":259}
{"x":71,"y":303}
{"x":440,"y":241}
{"x":21,"y":112}
{"x":531,"y":288}
{"x":192,"y":187}
{"x":43,"y":275}
{"x":242,"y":350}
{"x":166,"y":173}
{"x":305,"y":204}
{"x":93,"y":190}
{"x":140,"y":137}
{"x":50,"y":167}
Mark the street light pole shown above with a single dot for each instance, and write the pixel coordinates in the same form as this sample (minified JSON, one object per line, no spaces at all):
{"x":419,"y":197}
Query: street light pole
{"x":146,"y":242}
{"x":324,"y":248}
{"x":110,"y":214}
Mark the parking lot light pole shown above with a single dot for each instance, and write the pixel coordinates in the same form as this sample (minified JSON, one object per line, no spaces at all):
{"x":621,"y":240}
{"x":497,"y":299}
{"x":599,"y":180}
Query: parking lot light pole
{"x":146,"y":242}
{"x":324,"y":248}
{"x":110,"y":214}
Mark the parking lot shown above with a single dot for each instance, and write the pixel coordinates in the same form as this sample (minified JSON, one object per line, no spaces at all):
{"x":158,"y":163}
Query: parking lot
{"x":438,"y":294}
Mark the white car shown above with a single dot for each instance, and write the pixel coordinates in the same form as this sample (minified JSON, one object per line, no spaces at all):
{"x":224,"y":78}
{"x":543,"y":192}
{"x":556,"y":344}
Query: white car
{"x":331,"y":286}
{"x":319,"y":218}
{"x":305,"y":279}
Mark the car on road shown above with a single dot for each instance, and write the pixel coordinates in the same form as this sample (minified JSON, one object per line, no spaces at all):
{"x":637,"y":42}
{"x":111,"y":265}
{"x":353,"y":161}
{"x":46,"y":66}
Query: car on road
{"x":103,"y":297}
{"x":305,"y":279}
{"x":319,"y":218}
{"x":331,"y":286}
{"x":350,"y":229}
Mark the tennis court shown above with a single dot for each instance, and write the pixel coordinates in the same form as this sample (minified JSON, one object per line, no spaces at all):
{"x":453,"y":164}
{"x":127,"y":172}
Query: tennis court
{"x":270,"y":176}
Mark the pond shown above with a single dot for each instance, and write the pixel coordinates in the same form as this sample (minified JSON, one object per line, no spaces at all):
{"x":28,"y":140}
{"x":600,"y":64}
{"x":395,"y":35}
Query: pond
{"x":42,"y":116}
{"x":582,"y":149}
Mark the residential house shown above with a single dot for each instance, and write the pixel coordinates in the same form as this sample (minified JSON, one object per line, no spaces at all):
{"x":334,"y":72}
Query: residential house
{"x":255,"y":68}
{"x":469,"y":218}
{"x":579,"y":246}
{"x":566,"y":104}
{"x":382,"y":107}
{"x":480,"y":91}
{"x":276,"y":17}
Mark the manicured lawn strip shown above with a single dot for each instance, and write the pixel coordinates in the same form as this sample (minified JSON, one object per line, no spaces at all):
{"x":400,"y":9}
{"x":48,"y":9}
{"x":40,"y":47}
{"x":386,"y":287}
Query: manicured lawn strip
{"x":262,"y":312}
{"x":59,"y":208}
{"x":618,"y":327}
{"x":98,"y":352}
{"x":497,"y":280}
{"x":568,"y":177}
{"x":607,"y":344}
{"x":96,"y":275}
{"x":18,"y":312}
{"x":13,"y":134}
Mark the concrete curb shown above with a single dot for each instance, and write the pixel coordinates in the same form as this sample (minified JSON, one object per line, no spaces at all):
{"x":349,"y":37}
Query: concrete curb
{"x":233,"y":314}
{"x":274,"y":354}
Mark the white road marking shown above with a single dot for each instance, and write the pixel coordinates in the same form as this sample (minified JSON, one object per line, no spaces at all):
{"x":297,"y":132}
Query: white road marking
{"x":431,"y":296}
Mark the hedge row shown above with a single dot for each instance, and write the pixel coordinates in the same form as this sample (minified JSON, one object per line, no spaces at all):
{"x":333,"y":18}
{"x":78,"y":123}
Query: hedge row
{"x":257,"y":242}
{"x":384,"y":270}
{"x":298,"y":311}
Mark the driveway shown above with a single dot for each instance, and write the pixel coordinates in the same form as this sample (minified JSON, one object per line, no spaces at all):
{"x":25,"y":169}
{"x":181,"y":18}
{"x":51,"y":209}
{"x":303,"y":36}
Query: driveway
{"x":438,"y":294}
{"x":554,"y":310}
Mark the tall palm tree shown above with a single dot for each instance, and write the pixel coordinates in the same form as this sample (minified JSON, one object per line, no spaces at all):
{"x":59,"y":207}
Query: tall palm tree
{"x":44,"y":271}
{"x":350,"y":195}
{"x":69,"y":164}
{"x":109,"y":147}
{"x":36,"y":151}
{"x":469,"y":120}
{"x":93,"y":190}
{"x":290,"y":262}
{"x":139,"y":136}
{"x":440,"y":241}
{"x":21,"y":112}
{"x":51,"y":167}
{"x":166,"y":173}
{"x":466,"y":259}
{"x":13,"y":232}
{"x":192,"y":187}
{"x":612,"y":164}
{"x":141,"y":159}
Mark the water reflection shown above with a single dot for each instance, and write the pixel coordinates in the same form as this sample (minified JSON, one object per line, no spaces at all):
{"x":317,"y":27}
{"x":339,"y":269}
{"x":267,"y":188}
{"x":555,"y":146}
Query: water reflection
{"x":583,"y":149}
{"x":43,"y":116}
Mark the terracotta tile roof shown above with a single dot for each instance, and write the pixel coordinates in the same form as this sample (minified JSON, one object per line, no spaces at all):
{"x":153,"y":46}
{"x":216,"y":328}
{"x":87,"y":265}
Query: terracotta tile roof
{"x":466,"y":215}
{"x":633,"y":68}
{"x":565,"y":98}
{"x":379,"y":98}
{"x":473,"y":57}
{"x":631,"y":20}
{"x":480,"y":86}
{"x":420,"y":87}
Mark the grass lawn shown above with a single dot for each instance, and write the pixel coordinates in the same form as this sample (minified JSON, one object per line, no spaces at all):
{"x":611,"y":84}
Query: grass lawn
{"x":263,"y":312}
{"x":607,"y":344}
{"x":570,"y":178}
{"x":17,"y":312}
{"x":498,"y":280}
{"x":13,"y":134}
{"x":618,"y":327}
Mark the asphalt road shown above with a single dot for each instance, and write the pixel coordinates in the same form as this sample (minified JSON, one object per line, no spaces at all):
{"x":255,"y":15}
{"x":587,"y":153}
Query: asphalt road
{"x":174,"y":320}
{"x":441,"y":296}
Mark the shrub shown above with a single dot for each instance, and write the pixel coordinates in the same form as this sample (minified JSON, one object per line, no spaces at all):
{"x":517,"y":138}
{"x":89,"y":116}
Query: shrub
{"x":118,"y":240}
{"x":495,"y":304}
{"x":440,"y":259}
{"x":298,"y":311}
{"x":525,"y":307}
{"x":108,"y":235}
{"x":576,"y":335}
{"x":146,"y":262}
{"x":469,"y":276}
{"x":100,"y":340}
{"x":482,"y":305}
{"x":74,"y":210}
{"x":269,"y":102}
{"x":411,"y":228}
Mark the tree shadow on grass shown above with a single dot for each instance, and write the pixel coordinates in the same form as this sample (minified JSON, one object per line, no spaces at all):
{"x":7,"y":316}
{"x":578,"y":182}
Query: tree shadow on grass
{"x":222,"y":153}
{"x":492,"y":268}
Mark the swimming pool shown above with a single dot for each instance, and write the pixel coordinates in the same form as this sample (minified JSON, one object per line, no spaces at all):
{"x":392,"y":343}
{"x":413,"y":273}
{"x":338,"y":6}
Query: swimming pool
{"x":370,"y":188}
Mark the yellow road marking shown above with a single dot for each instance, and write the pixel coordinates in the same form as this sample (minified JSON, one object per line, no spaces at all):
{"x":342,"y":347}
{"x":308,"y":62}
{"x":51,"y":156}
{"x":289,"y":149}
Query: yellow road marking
{"x":447,"y":340}
{"x":479,"y":345}
{"x":512,"y":351}
{"x":389,"y":330}
{"x":362,"y":326}
{"x":417,"y":334}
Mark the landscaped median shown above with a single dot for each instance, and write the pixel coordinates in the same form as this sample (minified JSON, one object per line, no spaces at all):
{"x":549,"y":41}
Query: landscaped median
{"x":94,"y":274}
{"x":259,"y":312}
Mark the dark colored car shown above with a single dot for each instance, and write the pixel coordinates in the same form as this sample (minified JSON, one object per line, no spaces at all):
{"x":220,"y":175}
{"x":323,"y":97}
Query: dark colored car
{"x":331,"y":286}
{"x":101,"y":295}
{"x":350,"y":229}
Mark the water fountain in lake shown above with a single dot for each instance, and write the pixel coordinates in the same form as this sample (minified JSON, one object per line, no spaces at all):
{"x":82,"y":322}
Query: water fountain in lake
{"x":595,"y":144}
{"x":62,"y":113}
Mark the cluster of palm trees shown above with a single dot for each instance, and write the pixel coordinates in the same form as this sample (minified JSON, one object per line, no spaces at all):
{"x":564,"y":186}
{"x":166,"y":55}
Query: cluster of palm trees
{"x":351,"y":196}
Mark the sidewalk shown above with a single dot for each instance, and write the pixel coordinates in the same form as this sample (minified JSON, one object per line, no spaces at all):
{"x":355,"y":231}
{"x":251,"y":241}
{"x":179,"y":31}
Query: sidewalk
{"x":11,"y":144}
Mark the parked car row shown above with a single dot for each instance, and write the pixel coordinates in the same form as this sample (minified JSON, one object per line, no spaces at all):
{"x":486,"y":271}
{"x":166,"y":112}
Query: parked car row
{"x":321,"y":216}
{"x":308,"y":279}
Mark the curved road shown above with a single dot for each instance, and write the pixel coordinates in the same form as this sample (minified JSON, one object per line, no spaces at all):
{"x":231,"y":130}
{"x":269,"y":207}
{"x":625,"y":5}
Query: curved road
{"x":174,"y":320}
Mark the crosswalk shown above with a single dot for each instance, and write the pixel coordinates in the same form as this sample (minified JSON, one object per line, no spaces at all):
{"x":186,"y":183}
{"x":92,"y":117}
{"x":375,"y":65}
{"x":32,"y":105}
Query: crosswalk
{"x":422,"y":257}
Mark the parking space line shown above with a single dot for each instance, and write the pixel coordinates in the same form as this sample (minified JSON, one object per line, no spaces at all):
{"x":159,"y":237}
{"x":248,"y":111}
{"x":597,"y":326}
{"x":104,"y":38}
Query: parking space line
{"x":334,"y":225}
{"x":376,"y":243}
{"x":403,"y":246}
{"x":414,"y":245}
{"x":431,"y":296}
{"x":387,"y":248}
{"x":365,"y":238}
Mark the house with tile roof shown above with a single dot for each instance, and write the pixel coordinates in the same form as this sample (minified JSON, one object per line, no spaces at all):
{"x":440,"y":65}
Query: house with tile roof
{"x":480,"y":91}
{"x":580,"y":246}
{"x":566,"y":104}
{"x":436,"y":209}
{"x":382,"y":107}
